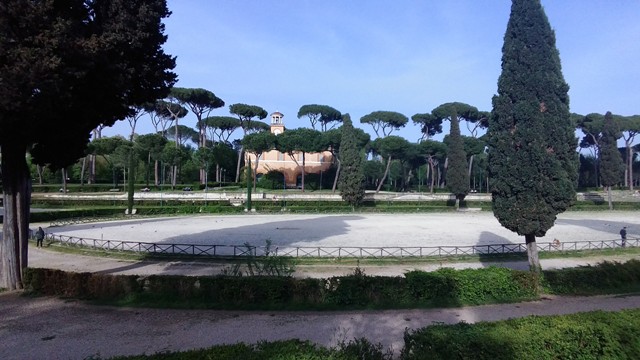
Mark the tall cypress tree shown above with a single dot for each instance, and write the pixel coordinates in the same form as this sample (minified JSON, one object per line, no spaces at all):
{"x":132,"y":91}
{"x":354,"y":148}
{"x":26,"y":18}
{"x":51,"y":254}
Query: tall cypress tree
{"x":532,"y":157}
{"x":457,"y":175}
{"x":611,"y":164}
{"x":352,"y":174}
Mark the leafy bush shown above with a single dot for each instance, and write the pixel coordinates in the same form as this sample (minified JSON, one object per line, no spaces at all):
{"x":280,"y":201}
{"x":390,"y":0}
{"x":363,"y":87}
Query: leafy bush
{"x":606,"y":277}
{"x":274,"y":179}
{"x":596,"y":335}
{"x":356,"y":291}
{"x":471,"y":286}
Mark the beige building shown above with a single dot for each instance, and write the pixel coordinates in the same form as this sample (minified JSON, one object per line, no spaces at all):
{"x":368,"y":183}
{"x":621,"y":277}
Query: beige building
{"x":291,"y":168}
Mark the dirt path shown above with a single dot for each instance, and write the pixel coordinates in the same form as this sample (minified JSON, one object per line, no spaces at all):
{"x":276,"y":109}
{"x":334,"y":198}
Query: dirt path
{"x":49,"y":328}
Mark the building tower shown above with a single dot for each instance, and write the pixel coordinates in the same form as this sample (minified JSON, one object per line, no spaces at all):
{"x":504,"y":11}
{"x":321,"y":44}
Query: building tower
{"x":277,"y":126}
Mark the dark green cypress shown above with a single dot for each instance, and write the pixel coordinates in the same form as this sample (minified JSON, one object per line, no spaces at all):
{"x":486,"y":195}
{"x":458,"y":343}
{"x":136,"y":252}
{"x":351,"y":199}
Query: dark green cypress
{"x":611,"y":164}
{"x":351,"y":173}
{"x":532,"y":157}
{"x":457,"y":174}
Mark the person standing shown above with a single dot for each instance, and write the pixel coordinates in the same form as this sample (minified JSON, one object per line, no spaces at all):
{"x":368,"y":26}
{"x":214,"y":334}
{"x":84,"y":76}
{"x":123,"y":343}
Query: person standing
{"x":39,"y":236}
{"x":623,"y":236}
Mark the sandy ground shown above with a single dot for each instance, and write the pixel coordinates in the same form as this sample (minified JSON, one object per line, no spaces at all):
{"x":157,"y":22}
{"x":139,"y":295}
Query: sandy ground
{"x":49,"y":328}
{"x":373,"y":230}
{"x":378,"y":230}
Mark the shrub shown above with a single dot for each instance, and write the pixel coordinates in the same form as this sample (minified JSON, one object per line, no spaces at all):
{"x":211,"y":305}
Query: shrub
{"x":356,"y":291}
{"x":471,"y":286}
{"x":596,"y":335}
{"x":606,"y":277}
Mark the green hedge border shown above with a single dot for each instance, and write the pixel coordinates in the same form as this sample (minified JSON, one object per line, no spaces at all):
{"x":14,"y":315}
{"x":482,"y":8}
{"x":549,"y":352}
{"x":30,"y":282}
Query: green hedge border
{"x":418,"y":289}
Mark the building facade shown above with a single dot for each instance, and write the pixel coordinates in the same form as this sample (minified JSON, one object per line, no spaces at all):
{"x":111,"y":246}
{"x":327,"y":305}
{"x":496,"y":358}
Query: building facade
{"x":315,"y":163}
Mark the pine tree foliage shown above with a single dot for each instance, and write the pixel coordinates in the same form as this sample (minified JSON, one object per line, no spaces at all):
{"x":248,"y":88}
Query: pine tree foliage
{"x":68,"y":67}
{"x":352,"y":175}
{"x":611,"y":164}
{"x":457,"y":175}
{"x":532,"y":157}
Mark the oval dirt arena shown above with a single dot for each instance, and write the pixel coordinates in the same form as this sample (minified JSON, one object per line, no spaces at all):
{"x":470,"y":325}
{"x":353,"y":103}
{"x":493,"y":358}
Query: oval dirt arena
{"x":350,"y":230}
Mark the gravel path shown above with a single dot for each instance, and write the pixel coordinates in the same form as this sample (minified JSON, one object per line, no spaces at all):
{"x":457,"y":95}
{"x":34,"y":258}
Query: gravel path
{"x":374,"y":230}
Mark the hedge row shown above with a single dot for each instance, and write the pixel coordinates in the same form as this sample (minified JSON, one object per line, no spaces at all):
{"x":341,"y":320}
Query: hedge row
{"x":445,"y":287}
{"x":110,"y":212}
{"x":595,"y":335}
{"x":93,"y":188}
{"x":604,"y":278}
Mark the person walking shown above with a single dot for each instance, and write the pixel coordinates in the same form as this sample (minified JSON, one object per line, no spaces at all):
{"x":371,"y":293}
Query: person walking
{"x":39,"y":237}
{"x":623,"y":236}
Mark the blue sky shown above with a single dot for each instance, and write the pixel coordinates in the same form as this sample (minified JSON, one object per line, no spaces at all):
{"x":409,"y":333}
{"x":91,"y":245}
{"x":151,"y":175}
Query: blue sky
{"x":407,"y":56}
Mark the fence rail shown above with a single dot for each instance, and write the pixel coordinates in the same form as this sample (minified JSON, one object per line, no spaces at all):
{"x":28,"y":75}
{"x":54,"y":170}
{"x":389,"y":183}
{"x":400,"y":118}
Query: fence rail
{"x":333,"y":252}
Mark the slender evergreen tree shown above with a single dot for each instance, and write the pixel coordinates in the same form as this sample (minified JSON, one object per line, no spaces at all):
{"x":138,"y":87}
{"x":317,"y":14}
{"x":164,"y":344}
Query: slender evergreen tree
{"x":611,"y":164}
{"x":457,"y":175}
{"x":532,"y":157}
{"x":352,"y":175}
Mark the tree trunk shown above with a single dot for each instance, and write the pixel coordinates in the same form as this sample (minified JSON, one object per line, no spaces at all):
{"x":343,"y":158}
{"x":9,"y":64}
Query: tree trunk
{"x":40,"y":170}
{"x":174,"y":176}
{"x":91,"y":178}
{"x":156,"y":171}
{"x":238,"y":166}
{"x":303,"y":161}
{"x":202,"y":143}
{"x":84,"y":166}
{"x":14,"y":243}
{"x":384,"y":177}
{"x":609,"y":197}
{"x":147,"y":174}
{"x":255,"y":172}
{"x":249,"y":178}
{"x":433,"y":175}
{"x":470,"y":164}
{"x":64,"y":180}
{"x":335,"y":179}
{"x":630,"y":166}
{"x":131,"y":183}
{"x":532,"y":253}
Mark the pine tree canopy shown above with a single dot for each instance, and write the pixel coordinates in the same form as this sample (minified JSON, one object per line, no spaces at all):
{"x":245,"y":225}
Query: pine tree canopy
{"x":611,"y":164}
